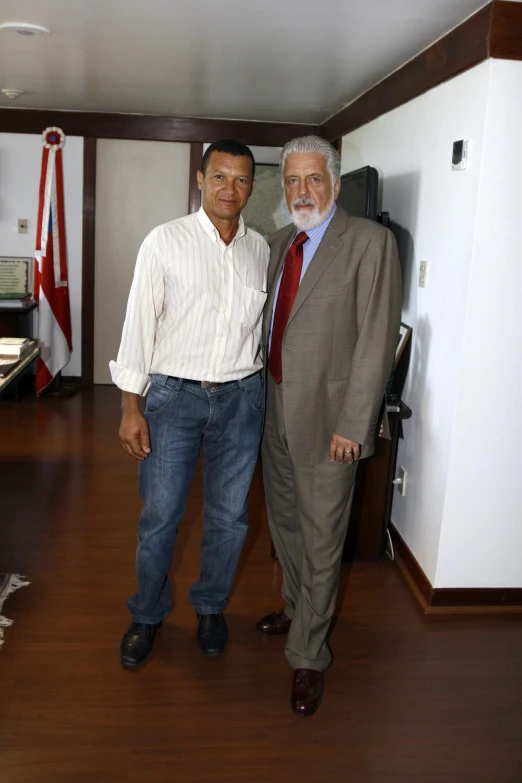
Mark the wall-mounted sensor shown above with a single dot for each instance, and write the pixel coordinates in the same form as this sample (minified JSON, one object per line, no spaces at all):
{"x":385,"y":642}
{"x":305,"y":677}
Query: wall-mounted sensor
{"x":459,"y":159}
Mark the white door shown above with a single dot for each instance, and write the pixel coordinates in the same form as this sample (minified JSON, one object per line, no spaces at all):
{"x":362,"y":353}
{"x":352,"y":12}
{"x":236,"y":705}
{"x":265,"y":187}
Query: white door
{"x":139,"y":185}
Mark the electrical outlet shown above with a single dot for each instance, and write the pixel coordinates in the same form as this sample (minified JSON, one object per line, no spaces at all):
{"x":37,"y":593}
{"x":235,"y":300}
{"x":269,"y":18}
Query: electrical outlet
{"x":400,"y":481}
{"x":22,"y":225}
{"x":423,"y":274}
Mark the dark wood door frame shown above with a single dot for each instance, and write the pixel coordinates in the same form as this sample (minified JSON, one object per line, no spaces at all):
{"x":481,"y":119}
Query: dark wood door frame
{"x":88,"y":238}
{"x":196,"y":153}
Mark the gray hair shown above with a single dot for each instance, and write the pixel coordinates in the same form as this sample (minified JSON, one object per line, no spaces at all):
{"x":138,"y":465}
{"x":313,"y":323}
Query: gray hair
{"x":313,"y":144}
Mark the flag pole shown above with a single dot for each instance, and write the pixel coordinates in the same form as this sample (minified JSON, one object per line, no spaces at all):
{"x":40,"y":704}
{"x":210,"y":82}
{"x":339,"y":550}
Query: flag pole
{"x":57,"y":388}
{"x":51,"y":284}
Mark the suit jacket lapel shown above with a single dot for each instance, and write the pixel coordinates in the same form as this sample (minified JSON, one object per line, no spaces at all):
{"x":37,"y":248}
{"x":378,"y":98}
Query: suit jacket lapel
{"x":278,"y":256}
{"x":328,"y":248}
{"x":323,"y":256}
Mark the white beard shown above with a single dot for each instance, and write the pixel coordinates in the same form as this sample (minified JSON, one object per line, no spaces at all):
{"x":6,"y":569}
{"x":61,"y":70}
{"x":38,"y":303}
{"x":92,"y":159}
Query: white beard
{"x":305,"y":220}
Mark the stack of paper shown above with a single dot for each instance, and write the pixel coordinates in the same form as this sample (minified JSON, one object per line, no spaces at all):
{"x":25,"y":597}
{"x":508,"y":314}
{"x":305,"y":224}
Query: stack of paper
{"x":12,"y":351}
{"x":14,"y":347}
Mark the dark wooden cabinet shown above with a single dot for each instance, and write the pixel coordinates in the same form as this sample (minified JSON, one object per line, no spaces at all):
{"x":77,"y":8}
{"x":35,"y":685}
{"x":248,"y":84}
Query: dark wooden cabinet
{"x":373,"y":494}
{"x":16,"y":322}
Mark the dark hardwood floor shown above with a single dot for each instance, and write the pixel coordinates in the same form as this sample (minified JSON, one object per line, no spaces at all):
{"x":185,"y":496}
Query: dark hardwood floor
{"x":408,"y":698}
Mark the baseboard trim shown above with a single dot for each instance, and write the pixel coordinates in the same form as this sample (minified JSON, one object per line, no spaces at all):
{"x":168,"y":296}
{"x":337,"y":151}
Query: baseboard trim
{"x":454,"y":600}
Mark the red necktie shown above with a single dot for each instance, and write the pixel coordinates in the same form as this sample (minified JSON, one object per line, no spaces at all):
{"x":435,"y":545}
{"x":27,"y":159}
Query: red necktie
{"x":285,"y":300}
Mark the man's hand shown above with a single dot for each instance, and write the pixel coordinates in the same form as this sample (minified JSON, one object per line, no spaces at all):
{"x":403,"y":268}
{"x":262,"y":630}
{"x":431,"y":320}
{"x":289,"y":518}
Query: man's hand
{"x":134,"y":430}
{"x":343,"y":450}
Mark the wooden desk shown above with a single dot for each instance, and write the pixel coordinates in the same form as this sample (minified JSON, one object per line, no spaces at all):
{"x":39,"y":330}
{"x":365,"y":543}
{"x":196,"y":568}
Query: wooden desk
{"x":17,"y":372}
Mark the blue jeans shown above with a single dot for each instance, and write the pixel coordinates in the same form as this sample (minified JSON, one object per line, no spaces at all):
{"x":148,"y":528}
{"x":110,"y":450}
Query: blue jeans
{"x":184,"y":417}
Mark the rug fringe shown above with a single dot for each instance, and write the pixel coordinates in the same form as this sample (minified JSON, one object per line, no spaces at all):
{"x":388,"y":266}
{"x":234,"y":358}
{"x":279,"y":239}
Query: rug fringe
{"x":4,"y":623}
{"x":15,"y":581}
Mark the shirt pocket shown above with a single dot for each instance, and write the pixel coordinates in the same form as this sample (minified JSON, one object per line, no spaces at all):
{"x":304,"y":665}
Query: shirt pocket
{"x":253,"y":304}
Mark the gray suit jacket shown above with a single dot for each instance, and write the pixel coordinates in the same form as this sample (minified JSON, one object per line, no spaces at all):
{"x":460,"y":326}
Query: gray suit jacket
{"x":340,"y":341}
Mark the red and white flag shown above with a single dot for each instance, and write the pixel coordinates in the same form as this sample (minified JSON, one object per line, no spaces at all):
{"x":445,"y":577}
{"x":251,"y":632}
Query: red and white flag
{"x":51,"y":289}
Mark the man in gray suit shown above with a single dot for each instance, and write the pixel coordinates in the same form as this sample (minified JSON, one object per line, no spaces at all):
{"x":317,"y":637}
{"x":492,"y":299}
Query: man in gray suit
{"x":330,"y":330}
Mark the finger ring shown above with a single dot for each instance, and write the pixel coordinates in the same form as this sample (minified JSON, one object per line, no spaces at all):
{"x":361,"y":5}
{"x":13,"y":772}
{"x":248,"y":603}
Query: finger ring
{"x":347,"y":451}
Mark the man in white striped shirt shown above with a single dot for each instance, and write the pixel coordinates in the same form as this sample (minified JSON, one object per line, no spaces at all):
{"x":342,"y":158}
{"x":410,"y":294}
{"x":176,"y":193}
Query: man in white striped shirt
{"x":190,"y":343}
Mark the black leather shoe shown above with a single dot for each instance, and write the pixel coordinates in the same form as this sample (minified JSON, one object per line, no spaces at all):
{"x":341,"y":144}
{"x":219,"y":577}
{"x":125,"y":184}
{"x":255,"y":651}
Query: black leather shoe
{"x":212,"y":634}
{"x":137,"y":643}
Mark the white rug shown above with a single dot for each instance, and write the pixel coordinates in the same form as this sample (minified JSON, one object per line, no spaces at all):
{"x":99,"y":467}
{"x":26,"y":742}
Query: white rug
{"x":8,"y":584}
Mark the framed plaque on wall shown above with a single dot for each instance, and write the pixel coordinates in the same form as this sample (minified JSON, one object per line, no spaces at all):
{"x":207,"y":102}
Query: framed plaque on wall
{"x":15,"y":277}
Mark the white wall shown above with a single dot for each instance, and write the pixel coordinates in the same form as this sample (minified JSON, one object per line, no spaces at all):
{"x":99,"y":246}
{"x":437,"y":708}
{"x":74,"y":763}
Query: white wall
{"x":481,"y":541}
{"x":434,"y":209}
{"x":20,"y":166}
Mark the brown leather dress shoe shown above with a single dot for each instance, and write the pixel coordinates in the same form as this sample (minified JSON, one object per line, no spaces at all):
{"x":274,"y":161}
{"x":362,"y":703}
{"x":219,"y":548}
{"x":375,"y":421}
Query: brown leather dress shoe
{"x":307,"y":691}
{"x":274,"y":624}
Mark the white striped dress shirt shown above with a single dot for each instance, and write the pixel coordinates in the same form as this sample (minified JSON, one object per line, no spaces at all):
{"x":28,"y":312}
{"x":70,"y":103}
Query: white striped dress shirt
{"x":195,"y":305}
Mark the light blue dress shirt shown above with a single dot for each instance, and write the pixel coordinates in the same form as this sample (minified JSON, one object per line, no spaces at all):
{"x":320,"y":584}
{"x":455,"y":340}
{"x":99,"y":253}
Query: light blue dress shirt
{"x":310,"y":246}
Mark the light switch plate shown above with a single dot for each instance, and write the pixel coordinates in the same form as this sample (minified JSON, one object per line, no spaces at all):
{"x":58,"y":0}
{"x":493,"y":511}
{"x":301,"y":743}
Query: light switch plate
{"x":403,"y":474}
{"x":423,"y":274}
{"x":22,"y":225}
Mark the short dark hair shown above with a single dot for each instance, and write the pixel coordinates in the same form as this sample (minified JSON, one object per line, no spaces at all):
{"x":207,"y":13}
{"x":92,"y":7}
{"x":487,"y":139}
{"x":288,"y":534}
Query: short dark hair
{"x":229,"y":147}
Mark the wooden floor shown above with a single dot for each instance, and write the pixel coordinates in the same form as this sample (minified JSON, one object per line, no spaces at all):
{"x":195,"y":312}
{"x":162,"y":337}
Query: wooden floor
{"x":407,"y":699}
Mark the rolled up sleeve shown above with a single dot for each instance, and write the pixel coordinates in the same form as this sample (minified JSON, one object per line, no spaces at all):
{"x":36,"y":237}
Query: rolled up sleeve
{"x":131,"y":370}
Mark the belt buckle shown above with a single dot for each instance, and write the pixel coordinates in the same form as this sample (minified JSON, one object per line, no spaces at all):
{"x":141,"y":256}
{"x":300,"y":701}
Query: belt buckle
{"x":209,"y":385}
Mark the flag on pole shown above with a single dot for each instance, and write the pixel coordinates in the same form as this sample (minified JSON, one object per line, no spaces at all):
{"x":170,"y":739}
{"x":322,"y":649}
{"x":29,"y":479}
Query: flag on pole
{"x":51,"y":290}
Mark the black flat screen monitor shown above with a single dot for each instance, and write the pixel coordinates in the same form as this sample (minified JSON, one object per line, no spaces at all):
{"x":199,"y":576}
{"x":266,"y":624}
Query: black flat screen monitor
{"x":359,"y":192}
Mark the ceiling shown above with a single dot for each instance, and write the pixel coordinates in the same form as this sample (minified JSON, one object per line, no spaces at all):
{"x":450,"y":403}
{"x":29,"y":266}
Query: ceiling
{"x":274,"y":60}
